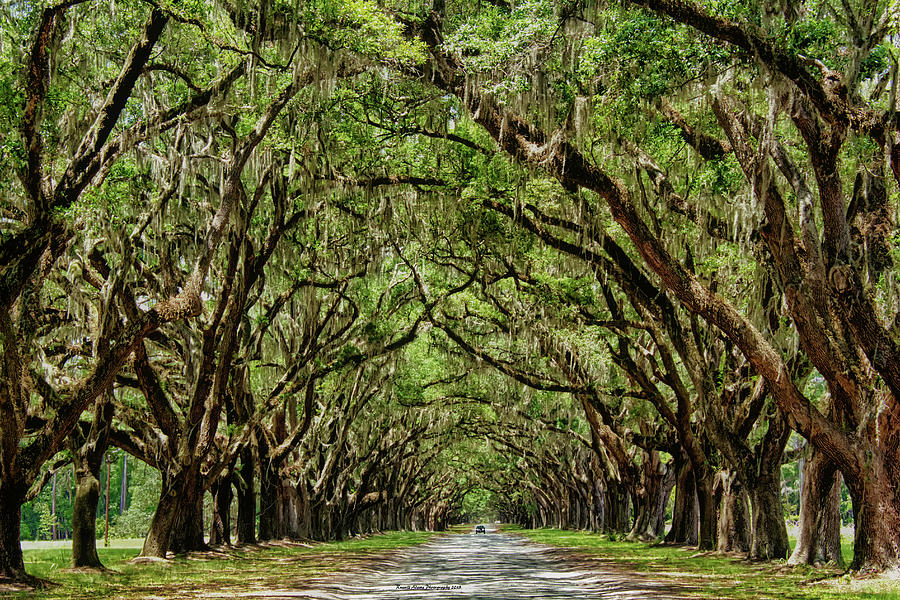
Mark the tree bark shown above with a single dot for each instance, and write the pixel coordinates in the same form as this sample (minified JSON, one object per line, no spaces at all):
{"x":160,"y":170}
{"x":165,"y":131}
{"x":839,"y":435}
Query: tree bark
{"x":658,"y":525}
{"x":600,"y":504}
{"x":177,"y":523}
{"x":686,"y":510}
{"x":88,"y":452}
{"x":280,"y":506}
{"x":819,"y":538}
{"x":270,"y":527}
{"x":279,"y":501}
{"x":12,"y":564}
{"x":187,"y":531}
{"x":84,"y":519}
{"x":246,"y":498}
{"x":156,"y":544}
{"x":617,"y":505}
{"x":876,"y":507}
{"x":706,"y":500}
{"x":655,"y":489}
{"x":769,"y":539}
{"x":734,"y":514}
{"x":303,"y":516}
{"x":290,"y":510}
{"x":220,"y":528}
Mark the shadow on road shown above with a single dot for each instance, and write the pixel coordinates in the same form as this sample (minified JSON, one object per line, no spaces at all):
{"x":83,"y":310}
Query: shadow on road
{"x":491,"y":566}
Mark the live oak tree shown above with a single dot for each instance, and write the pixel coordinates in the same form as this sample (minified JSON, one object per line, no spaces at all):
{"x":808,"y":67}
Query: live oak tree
{"x":40,"y":225}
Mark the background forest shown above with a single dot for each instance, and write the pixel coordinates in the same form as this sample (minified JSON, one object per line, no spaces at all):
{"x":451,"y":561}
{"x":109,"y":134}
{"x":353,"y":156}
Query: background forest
{"x":313,"y":269}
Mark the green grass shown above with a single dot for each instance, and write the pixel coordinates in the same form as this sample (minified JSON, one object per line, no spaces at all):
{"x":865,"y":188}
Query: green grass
{"x":710,"y":575}
{"x":291,"y":566}
{"x":846,"y":549}
{"x":283,"y":566}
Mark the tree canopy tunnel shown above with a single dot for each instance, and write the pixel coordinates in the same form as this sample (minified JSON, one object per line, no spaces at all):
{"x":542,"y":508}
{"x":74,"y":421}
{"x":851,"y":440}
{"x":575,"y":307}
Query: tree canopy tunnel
{"x":326,"y":268}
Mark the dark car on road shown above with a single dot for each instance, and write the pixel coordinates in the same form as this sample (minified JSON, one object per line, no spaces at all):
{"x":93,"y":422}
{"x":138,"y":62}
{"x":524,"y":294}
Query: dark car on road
{"x":480,"y":529}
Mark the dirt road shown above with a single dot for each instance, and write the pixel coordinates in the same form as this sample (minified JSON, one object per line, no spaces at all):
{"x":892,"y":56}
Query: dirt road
{"x":491,"y":566}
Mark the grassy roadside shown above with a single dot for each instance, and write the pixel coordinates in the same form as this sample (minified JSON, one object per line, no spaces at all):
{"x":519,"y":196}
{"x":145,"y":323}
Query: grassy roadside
{"x":710,"y":575}
{"x":277,"y":566}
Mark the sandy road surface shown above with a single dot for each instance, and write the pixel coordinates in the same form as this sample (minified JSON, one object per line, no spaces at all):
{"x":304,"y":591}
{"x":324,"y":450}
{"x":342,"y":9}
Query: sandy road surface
{"x":493,"y":566}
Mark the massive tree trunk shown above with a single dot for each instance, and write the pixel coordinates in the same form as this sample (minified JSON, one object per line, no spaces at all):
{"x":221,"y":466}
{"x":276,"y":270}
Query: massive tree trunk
{"x":84,"y":516}
{"x":290,"y":510}
{"x":324,"y":520}
{"x":339,"y":524}
{"x":819,"y":538}
{"x":734,"y":514}
{"x":617,"y":508}
{"x":540,"y":516}
{"x":706,"y":500}
{"x":686,"y":509}
{"x":279,"y":505}
{"x":269,"y":522}
{"x":317,"y":529}
{"x":769,"y":539}
{"x":177,"y":523}
{"x":280,"y":510}
{"x":156,"y":544}
{"x":588,"y":522}
{"x":597,"y":505}
{"x":220,"y":528}
{"x":88,"y":451}
{"x":602,"y":505}
{"x":246,"y":498}
{"x":650,"y":505}
{"x":303,"y":514}
{"x":12,"y":564}
{"x":876,"y":507}
{"x":658,"y":525}
{"x":187,"y":532}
